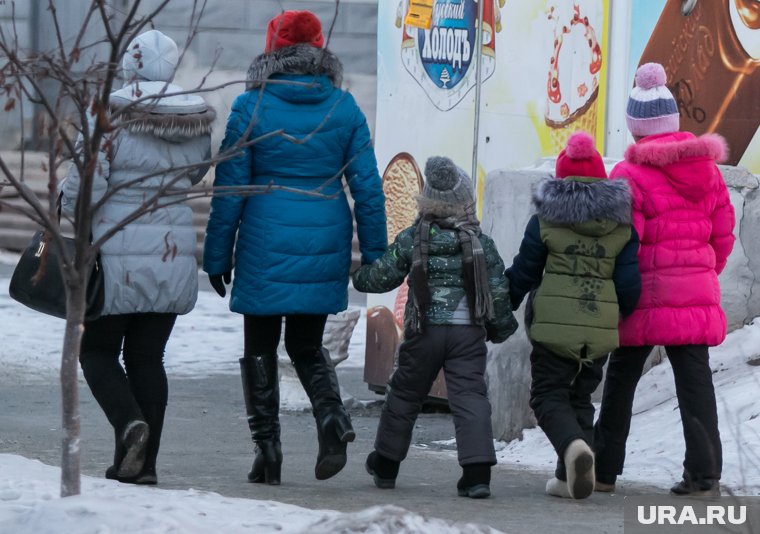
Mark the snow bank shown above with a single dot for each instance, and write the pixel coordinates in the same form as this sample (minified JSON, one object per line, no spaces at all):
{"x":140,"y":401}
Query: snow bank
{"x":207,"y":341}
{"x":29,"y":504}
{"x":655,"y":446}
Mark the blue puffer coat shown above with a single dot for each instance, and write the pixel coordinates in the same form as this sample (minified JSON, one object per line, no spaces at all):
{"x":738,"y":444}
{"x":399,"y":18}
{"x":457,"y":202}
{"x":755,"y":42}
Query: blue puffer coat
{"x":293,"y":250}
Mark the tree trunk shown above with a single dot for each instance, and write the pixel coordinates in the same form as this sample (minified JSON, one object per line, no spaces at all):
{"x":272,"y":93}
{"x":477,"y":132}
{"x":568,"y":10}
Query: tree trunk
{"x":72,"y":339}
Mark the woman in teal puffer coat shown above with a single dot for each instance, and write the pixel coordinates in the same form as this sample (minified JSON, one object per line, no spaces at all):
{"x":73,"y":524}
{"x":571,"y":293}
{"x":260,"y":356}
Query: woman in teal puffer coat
{"x":292,"y":250}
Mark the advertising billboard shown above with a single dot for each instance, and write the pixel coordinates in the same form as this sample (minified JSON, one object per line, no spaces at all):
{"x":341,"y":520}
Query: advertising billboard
{"x":711,"y":52}
{"x":540,"y":68}
{"x":541,"y":72}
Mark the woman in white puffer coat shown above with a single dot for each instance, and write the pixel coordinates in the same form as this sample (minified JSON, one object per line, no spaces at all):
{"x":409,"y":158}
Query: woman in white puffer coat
{"x":149,"y":267}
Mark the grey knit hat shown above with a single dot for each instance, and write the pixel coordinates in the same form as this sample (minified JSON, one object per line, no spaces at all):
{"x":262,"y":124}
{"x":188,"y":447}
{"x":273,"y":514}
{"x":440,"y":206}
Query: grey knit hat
{"x":447,"y":183}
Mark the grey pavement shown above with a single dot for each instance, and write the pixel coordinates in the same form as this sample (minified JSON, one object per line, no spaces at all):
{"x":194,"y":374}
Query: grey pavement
{"x":206,"y":446}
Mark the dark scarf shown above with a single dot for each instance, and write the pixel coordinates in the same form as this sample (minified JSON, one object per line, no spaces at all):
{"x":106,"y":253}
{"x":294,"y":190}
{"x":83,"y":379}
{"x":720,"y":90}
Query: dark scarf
{"x":474,"y":266}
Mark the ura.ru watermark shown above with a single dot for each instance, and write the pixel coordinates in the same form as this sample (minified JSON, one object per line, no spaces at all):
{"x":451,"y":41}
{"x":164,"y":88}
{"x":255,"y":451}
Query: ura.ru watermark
{"x":663,"y":514}
{"x":713,"y":514}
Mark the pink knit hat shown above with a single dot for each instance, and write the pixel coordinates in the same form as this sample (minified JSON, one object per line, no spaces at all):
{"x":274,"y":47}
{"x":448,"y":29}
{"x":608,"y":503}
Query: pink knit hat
{"x":651,"y":107}
{"x":580,"y":158}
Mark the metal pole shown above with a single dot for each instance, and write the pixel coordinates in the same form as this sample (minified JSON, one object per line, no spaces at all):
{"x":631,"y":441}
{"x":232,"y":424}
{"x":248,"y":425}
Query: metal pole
{"x":478,"y":83}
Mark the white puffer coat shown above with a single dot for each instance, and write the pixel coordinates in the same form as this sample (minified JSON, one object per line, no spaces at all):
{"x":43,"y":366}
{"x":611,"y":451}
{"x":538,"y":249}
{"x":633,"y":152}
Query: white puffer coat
{"x":150,"y":265}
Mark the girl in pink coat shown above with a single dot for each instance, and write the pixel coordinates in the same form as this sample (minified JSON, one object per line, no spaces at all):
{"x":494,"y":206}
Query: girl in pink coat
{"x":684,"y":218}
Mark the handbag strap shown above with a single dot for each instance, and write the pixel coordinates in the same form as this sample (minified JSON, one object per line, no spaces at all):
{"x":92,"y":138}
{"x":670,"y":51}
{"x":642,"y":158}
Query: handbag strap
{"x":58,"y":206}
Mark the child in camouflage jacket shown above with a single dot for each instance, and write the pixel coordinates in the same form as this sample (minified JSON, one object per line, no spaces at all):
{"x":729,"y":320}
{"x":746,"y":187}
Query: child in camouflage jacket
{"x":458,"y":299}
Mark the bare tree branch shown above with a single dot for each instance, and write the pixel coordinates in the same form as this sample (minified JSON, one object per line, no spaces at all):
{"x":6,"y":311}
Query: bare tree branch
{"x":58,"y":36}
{"x":80,"y":123}
{"x":24,"y":210}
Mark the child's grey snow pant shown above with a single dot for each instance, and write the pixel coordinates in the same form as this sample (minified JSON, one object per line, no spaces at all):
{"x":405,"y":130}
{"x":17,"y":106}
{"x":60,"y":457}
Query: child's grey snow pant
{"x":461,"y":352}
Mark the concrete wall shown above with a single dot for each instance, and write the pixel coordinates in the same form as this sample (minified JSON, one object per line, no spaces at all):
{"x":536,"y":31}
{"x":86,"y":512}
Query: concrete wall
{"x":506,"y":211}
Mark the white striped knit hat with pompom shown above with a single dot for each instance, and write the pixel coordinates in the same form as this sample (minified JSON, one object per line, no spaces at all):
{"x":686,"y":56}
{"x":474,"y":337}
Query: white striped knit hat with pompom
{"x":651,"y":107}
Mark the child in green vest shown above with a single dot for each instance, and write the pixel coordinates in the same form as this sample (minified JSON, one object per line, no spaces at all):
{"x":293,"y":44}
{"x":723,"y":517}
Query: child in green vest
{"x":578,"y":261}
{"x":458,"y":298}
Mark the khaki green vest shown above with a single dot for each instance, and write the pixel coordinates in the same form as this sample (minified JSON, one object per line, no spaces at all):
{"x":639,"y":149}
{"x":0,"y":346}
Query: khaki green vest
{"x":576,"y":307}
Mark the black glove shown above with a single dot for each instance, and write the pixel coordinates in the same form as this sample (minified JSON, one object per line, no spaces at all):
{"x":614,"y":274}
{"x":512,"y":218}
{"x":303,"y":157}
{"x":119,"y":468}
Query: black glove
{"x":218,"y":281}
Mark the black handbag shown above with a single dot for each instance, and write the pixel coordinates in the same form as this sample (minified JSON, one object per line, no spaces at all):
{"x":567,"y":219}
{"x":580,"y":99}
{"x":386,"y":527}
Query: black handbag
{"x":48,"y":293}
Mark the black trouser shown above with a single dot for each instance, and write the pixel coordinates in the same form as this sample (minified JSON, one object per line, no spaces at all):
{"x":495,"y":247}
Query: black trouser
{"x":122,"y":396}
{"x":696,"y":402}
{"x":560,"y":396}
{"x":461,"y":352}
{"x":303,"y":334}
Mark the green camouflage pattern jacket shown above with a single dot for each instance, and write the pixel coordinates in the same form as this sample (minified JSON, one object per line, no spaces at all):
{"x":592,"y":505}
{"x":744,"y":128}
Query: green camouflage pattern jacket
{"x":445,"y":279}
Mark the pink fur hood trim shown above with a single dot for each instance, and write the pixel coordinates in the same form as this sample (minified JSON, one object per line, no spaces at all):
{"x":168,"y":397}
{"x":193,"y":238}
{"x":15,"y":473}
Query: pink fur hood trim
{"x":664,"y":149}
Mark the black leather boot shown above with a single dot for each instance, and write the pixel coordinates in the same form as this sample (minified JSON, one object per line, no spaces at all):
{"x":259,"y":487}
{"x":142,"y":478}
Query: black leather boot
{"x":154,"y":416}
{"x":261,"y":391}
{"x":317,"y":375}
{"x":130,"y":451}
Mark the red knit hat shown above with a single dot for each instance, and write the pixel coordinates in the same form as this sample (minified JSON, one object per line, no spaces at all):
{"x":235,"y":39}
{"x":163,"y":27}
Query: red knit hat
{"x":580,"y":158}
{"x":294,"y":27}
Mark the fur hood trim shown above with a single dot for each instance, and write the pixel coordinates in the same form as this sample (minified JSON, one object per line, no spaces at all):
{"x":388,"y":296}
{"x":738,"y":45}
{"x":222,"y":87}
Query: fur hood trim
{"x":571,"y":201}
{"x":168,"y":125}
{"x":661,"y":153}
{"x":296,"y":59}
{"x":439,"y":209}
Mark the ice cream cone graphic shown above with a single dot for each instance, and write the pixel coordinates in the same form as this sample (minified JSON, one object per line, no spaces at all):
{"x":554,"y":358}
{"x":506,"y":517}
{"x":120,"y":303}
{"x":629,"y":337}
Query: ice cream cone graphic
{"x":574,"y":69}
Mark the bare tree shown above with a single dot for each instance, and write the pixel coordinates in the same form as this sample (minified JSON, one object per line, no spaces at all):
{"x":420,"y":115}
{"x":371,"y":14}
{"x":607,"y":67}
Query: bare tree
{"x":79,"y":122}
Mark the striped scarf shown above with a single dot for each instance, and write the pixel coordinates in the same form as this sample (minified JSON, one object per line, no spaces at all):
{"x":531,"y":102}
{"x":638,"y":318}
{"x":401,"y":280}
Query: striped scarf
{"x":475,"y":270}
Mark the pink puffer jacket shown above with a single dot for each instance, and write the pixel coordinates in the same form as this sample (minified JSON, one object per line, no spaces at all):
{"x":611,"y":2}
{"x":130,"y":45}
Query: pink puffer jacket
{"x":684,"y":217}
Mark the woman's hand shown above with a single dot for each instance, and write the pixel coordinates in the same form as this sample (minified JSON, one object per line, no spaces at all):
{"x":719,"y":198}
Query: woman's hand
{"x":218,"y":282}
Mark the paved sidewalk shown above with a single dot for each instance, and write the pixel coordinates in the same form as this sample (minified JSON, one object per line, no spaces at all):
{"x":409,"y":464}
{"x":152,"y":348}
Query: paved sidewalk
{"x":205,"y":446}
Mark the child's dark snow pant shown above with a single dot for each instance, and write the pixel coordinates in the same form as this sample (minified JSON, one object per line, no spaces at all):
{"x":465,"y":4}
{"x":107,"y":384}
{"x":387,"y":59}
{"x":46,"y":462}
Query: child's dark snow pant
{"x":560,"y":396}
{"x":696,"y":402}
{"x":461,"y":352}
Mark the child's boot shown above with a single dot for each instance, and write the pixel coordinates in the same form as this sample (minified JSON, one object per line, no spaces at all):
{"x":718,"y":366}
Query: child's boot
{"x":579,"y":463}
{"x":689,"y":487}
{"x":383,"y":470}
{"x":557,"y":488}
{"x":475,"y":482}
{"x":605,"y":483}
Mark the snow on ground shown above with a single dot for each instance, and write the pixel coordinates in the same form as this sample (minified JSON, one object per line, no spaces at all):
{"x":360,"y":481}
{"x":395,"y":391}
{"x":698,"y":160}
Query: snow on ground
{"x":207,"y":341}
{"x":29,"y":504}
{"x":655,"y":446}
{"x":8,"y":258}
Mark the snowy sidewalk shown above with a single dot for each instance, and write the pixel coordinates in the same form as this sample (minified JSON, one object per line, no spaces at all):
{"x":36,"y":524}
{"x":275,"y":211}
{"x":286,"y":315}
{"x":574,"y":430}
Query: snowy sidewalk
{"x":29,"y":503}
{"x":207,"y":342}
{"x":205,"y":445}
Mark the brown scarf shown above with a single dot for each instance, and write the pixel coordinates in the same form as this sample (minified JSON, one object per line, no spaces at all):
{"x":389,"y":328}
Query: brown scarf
{"x":474,"y":266}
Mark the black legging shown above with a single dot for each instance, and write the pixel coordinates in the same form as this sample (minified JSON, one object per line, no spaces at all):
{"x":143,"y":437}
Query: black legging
{"x":303,"y":334}
{"x":144,"y":336}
